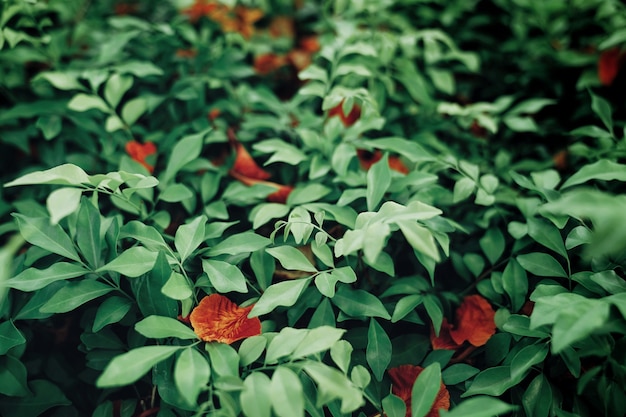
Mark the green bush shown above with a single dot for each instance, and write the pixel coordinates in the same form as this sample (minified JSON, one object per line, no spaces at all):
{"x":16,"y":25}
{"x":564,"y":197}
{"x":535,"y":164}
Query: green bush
{"x":288,"y":208}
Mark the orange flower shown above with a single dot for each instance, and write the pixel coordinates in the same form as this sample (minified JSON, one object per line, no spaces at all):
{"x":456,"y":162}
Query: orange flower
{"x":402,"y":379}
{"x":367,"y":159}
{"x":474,"y":324}
{"x":609,"y":65}
{"x":186,"y":53}
{"x":278,"y":196}
{"x":246,"y":166}
{"x":139,"y":152}
{"x":201,"y":8}
{"x":241,"y":19}
{"x":348,"y":120}
{"x":299,"y":58}
{"x":267,"y":63}
{"x":122,"y":9}
{"x":217,"y":319}
{"x":310,"y":44}
{"x":282,"y":26}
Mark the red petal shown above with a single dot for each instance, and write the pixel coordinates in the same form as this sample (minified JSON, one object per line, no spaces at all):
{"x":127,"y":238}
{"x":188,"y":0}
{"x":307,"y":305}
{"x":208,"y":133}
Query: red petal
{"x":444,"y":340}
{"x":246,"y":166}
{"x":608,"y":65}
{"x":474,"y":321}
{"x":217,"y":319}
{"x":139,"y":152}
{"x":348,"y":120}
{"x":402,"y":379}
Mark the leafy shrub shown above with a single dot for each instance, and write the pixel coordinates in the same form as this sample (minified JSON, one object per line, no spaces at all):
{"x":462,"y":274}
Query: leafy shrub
{"x":312,"y":208}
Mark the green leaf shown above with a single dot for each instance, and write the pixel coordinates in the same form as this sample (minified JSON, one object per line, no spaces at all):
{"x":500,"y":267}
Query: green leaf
{"x":130,"y":366}
{"x":526,"y":358}
{"x":394,"y":406}
{"x":189,"y":236}
{"x":284,"y":343}
{"x":177,"y":287}
{"x":359,"y":303}
{"x":75,"y":294}
{"x":147,"y":235}
{"x":62,"y":202}
{"x":481,"y":406}
{"x":256,"y":396}
{"x":317,"y":340}
{"x":134,"y":109}
{"x":463,"y":188}
{"x":282,"y":294}
{"x":341,"y":353}
{"x":10,"y":337}
{"x":112,"y":310}
{"x":147,"y":290}
{"x":251,"y":349}
{"x":224,"y":359}
{"x":332,"y":384}
{"x":546,"y":234}
{"x":379,"y":349}
{"x":266,"y":212}
{"x":61,"y":80}
{"x":191,"y":374}
{"x":579,"y":235}
{"x":602,"y":108}
{"x":33,"y":279}
{"x":158,"y":327}
{"x":88,"y":233}
{"x":537,"y":399}
{"x":174,"y":193}
{"x":286,"y":393}
{"x":132,"y":262}
{"x":434,"y":310}
{"x":240,"y":243}
{"x":378,"y":182}
{"x":281,"y":151}
{"x":515,"y":284}
{"x":39,"y":232}
{"x":116,"y":87}
{"x":420,"y":238}
{"x":66,"y":174}
{"x":13,"y":377}
{"x":492,"y":381}
{"x":604,"y":170}
{"x":542,"y":265}
{"x":578,"y":321}
{"x":307,"y":194}
{"x":492,"y":244}
{"x":45,"y":395}
{"x":224,"y":277}
{"x":457,"y":373}
{"x":82,"y":102}
{"x":405,"y":306}
{"x":184,"y":151}
{"x":291,"y":258}
{"x":425,"y":390}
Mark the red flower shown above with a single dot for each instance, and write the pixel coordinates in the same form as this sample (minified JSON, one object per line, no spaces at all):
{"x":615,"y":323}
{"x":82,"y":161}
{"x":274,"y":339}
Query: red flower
{"x":139,"y":152}
{"x":402,"y":379}
{"x":267,"y":63}
{"x":609,"y":65}
{"x":367,"y":159}
{"x":474,"y":324}
{"x":245,"y":165}
{"x":201,"y":8}
{"x":217,"y":319}
{"x":348,"y":120}
{"x":278,"y":196}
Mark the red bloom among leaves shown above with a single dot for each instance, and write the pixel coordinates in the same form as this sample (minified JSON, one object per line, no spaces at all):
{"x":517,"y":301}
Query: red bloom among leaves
{"x":245,"y":165}
{"x":267,"y":63}
{"x":348,"y":120}
{"x":217,"y":319}
{"x":278,"y":196}
{"x":139,"y":152}
{"x":367,"y":159}
{"x":402,"y":379}
{"x":474,"y":323}
{"x":609,"y":65}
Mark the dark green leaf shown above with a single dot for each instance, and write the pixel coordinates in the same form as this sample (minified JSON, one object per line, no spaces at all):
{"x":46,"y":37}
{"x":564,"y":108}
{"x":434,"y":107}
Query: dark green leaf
{"x":359,"y":303}
{"x":13,"y":377}
{"x":537,"y":399}
{"x":10,"y":337}
{"x":379,"y":349}
{"x":457,"y":373}
{"x":88,"y":233}
{"x":604,"y":169}
{"x":515,"y":284}
{"x":481,"y":406}
{"x":112,"y":310}
{"x":492,"y":381}
{"x":45,"y":395}
{"x":602,"y":108}
{"x":130,"y":366}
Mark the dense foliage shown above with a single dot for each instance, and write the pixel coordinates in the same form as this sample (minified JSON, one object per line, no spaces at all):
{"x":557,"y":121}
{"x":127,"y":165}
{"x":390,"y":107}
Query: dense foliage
{"x":326,"y":208}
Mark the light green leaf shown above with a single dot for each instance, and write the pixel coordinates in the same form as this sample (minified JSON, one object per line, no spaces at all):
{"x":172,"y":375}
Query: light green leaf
{"x":604,"y":170}
{"x":112,"y":310}
{"x":191,"y":375}
{"x":147,"y":235}
{"x":307,"y":194}
{"x":282,"y":294}
{"x":291,"y":258}
{"x":359,"y":303}
{"x":159,"y":327}
{"x":251,"y":349}
{"x":420,"y":238}
{"x":75,"y":294}
{"x":492,"y":381}
{"x":481,"y":406}
{"x":284,"y":343}
{"x":189,"y":236}
{"x":394,"y":406}
{"x":492,"y":244}
{"x":130,"y":366}
{"x":62,"y":202}
{"x":61,"y":80}
{"x":425,"y":390}
{"x":240,"y":243}
{"x":224,"y":359}
{"x":39,"y":232}
{"x":66,"y":174}
{"x":333,"y":384}
{"x":526,"y":358}
{"x":83,"y":102}
{"x":602,"y":108}
{"x":266,"y":212}
{"x":88,"y":238}
{"x":116,"y":87}
{"x":177,"y":287}
{"x":286,"y":393}
{"x":546,"y":234}
{"x":542,"y":265}
{"x":133,"y":110}
{"x":317,"y":340}
{"x":132,"y":262}
{"x":224,"y":277}
{"x":174,"y":193}
{"x":256,"y":395}
{"x":184,"y":151}
{"x":281,"y":151}
{"x":33,"y":279}
{"x":379,"y":349}
{"x":341,"y":353}
{"x":378,"y":182}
